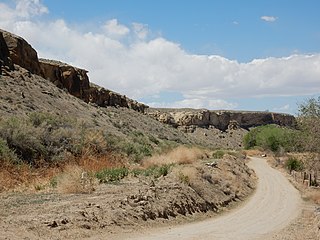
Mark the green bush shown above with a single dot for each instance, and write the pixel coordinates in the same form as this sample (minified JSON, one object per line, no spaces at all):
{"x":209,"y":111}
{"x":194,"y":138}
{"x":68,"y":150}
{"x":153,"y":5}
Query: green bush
{"x":218,"y":154}
{"x":294,"y":164}
{"x":271,"y":137}
{"x":155,"y":171}
{"x":112,"y":175}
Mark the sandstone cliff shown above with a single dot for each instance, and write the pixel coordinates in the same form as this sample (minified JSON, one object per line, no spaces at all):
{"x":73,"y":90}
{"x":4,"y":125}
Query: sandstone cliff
{"x":188,"y":119}
{"x":15,"y":50}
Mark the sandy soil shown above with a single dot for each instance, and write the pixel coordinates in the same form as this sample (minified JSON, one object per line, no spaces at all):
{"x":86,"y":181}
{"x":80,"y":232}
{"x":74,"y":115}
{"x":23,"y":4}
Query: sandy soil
{"x":274,"y":206}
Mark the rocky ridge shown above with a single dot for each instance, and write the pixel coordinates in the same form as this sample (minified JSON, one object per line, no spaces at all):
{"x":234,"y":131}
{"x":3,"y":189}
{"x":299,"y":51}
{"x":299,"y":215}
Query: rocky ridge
{"x":188,"y":120}
{"x":15,"y":50}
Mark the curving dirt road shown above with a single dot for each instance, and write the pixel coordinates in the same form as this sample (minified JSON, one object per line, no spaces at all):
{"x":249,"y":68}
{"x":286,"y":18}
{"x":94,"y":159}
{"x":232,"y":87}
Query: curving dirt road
{"x":274,"y":205}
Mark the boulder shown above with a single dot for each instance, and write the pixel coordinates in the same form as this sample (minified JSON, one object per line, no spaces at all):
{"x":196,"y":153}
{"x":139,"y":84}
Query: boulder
{"x":5,"y":60}
{"x":21,"y":52}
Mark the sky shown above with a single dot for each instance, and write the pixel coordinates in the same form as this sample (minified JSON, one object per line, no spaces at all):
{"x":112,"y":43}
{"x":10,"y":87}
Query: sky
{"x":214,"y":54}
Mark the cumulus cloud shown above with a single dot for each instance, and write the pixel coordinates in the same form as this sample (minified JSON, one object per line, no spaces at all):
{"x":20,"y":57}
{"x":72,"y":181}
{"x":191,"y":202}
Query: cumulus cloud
{"x":114,"y":29}
{"x":268,"y":18}
{"x":285,"y":108}
{"x":126,"y":59}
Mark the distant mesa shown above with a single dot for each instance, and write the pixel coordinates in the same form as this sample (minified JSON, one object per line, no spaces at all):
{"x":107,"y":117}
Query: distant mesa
{"x":186,"y":119}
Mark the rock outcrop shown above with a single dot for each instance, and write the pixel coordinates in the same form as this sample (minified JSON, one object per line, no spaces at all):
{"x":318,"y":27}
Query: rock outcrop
{"x":76,"y":82}
{"x":5,"y":60}
{"x":15,"y":50}
{"x":21,"y":52}
{"x":188,"y":120}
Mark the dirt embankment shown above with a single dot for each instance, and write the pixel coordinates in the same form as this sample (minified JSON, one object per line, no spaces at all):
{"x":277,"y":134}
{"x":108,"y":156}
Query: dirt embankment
{"x":137,"y":201}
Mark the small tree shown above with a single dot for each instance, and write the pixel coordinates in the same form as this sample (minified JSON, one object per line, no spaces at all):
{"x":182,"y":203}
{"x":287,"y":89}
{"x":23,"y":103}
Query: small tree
{"x":309,"y":123}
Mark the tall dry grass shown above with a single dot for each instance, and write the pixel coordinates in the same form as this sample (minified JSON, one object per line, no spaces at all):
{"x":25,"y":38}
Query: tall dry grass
{"x":75,"y":179}
{"x":179,"y":155}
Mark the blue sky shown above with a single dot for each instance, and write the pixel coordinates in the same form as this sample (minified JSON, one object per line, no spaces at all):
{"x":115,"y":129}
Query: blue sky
{"x":251,"y":55}
{"x":231,"y":28}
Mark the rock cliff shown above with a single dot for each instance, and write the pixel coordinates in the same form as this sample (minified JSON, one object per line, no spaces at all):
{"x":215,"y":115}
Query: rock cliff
{"x":15,"y":50}
{"x":188,"y":119}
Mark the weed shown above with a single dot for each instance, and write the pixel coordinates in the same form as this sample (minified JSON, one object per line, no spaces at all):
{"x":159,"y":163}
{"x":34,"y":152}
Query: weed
{"x":53,"y":182}
{"x":184,"y":178}
{"x":112,"y":175}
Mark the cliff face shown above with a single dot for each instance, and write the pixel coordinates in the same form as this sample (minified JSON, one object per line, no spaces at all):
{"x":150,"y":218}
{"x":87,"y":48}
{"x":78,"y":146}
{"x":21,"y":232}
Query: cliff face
{"x":21,"y":52}
{"x":223,"y":120}
{"x":15,"y":50}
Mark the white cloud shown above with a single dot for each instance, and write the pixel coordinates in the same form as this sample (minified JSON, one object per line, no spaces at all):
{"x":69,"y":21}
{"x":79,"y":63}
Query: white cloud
{"x":141,"y":30}
{"x":114,"y":29}
{"x":134,"y":64}
{"x":268,"y":18}
{"x":30,"y":8}
{"x":285,"y":109}
{"x":196,"y":103}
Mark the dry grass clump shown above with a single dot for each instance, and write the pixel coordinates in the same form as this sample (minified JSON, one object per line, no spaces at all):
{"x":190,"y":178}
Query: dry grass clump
{"x":187,"y":174}
{"x":179,"y":155}
{"x":96,"y":163}
{"x":75,"y":180}
{"x":314,"y":195}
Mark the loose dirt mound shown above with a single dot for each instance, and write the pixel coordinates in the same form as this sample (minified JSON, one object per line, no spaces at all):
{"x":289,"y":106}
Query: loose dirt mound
{"x":204,"y":186}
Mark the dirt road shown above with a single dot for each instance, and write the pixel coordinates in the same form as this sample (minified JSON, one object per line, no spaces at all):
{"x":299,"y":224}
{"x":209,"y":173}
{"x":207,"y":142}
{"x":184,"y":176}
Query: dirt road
{"x":274,"y":205}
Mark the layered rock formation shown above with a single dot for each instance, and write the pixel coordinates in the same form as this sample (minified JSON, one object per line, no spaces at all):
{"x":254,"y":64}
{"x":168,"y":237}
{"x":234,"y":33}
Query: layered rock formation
{"x":15,"y":50}
{"x":187,"y":120}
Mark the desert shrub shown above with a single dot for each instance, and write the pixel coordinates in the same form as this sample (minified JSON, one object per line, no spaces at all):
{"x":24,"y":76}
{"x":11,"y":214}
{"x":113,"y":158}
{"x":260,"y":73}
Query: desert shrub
{"x":112,"y":175}
{"x":136,"y":150}
{"x":271,"y":137}
{"x":49,"y":138}
{"x":218,"y":154}
{"x":293,"y":164}
{"x":6,"y":154}
{"x":23,"y":139}
{"x":136,"y":146}
{"x":155,"y":171}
